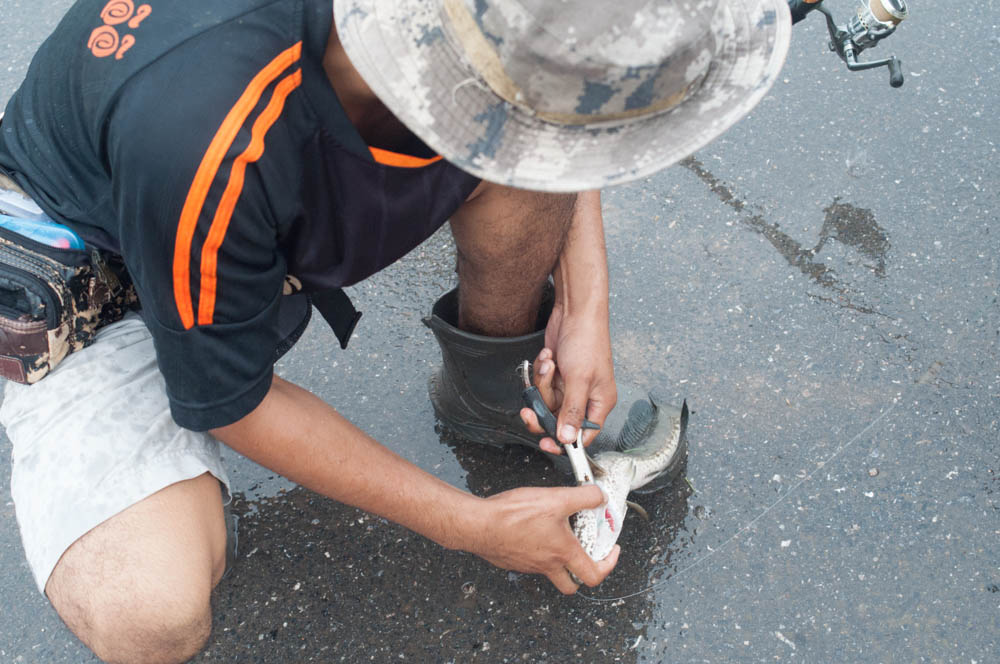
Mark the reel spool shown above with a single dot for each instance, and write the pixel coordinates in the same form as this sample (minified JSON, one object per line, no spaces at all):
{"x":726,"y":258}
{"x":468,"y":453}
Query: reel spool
{"x":873,"y":21}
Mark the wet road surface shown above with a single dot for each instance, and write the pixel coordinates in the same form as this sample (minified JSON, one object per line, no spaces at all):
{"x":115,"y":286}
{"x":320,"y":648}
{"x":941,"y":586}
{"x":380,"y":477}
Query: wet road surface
{"x":821,"y":284}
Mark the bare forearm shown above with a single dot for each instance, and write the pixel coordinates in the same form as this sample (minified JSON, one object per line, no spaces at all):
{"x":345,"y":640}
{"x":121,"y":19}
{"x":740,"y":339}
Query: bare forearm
{"x":298,"y":435}
{"x":578,"y":334}
{"x":581,"y":274}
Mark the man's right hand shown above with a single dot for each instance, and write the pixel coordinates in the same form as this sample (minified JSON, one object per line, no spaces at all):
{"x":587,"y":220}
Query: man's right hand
{"x":298,"y":435}
{"x":527,"y":530}
{"x":800,"y":8}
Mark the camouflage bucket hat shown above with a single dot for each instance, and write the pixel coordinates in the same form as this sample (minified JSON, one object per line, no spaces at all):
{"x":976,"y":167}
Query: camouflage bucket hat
{"x":570,"y":95}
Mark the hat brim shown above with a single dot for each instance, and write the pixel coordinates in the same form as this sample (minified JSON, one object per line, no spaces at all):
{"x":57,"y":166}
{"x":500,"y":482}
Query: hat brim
{"x":406,"y":56}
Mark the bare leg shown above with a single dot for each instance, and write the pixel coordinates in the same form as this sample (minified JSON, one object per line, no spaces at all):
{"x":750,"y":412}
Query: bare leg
{"x":508,"y":243}
{"x":136,"y":588}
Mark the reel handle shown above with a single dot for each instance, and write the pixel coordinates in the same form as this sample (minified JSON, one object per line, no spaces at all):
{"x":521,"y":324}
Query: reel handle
{"x":896,"y":73}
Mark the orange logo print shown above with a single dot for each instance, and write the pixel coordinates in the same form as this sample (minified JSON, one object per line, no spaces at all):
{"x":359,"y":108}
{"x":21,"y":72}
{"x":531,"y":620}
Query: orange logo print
{"x":105,"y":40}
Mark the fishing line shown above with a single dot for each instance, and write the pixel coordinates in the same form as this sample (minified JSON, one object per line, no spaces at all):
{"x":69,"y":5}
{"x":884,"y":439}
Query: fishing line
{"x":924,"y":378}
{"x":750,"y":524}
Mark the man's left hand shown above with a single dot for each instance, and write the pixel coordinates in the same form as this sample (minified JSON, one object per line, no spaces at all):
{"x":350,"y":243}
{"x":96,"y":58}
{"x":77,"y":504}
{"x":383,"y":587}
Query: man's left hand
{"x":582,"y":382}
{"x":574,"y":371}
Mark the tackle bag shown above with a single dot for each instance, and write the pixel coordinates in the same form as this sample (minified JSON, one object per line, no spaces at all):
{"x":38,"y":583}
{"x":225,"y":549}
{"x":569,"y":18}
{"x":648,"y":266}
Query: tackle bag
{"x":53,"y":299}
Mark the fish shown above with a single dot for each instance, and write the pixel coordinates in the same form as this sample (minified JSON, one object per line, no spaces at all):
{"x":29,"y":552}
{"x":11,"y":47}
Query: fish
{"x":643,"y":457}
{"x":643,"y":460}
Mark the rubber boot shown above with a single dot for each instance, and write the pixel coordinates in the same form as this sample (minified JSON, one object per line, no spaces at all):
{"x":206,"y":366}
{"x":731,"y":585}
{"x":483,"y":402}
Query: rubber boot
{"x":477,"y":393}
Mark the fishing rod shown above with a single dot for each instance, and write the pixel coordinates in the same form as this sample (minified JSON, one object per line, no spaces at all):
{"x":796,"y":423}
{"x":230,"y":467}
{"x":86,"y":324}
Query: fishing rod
{"x":873,"y":21}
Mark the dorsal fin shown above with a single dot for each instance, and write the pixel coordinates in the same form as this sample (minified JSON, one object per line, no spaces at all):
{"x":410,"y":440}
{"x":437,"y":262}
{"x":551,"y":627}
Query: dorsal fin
{"x":641,"y":420}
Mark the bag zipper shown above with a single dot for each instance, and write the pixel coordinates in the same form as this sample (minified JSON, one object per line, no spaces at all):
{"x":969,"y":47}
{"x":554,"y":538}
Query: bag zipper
{"x":52,"y":299}
{"x":69,"y":257}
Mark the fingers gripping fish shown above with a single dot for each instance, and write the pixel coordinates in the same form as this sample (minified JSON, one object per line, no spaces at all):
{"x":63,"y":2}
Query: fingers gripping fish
{"x":639,"y":462}
{"x":645,"y":457}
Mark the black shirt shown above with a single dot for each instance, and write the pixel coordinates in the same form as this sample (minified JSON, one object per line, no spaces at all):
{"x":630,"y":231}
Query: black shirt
{"x":202,"y":140}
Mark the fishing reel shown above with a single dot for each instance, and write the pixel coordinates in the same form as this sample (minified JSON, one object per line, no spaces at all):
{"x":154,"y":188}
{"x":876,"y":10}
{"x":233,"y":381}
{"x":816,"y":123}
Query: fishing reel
{"x":873,"y":21}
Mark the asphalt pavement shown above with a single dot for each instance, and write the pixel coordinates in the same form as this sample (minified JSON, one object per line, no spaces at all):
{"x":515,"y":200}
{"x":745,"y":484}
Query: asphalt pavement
{"x":820,"y":284}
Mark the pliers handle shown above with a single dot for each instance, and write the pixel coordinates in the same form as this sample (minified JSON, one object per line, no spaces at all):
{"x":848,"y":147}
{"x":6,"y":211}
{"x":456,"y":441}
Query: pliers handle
{"x":583,"y":466}
{"x":533,"y":400}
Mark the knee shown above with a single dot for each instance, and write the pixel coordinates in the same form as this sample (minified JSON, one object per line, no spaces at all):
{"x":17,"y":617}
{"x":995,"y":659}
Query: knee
{"x":137,"y":588}
{"x":501,"y":222}
{"x":171,"y":634}
{"x":158,"y":624}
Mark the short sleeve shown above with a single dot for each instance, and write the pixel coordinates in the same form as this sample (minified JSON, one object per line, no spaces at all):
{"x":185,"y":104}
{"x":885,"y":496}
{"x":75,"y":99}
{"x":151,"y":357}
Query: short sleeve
{"x":202,"y":160}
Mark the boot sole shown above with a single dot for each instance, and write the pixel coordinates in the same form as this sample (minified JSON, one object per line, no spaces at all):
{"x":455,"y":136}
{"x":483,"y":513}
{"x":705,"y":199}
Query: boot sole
{"x":497,"y":435}
{"x":491,"y":437}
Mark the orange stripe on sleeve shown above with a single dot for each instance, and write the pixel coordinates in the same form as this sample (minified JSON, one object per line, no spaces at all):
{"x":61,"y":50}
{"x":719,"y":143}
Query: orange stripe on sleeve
{"x":207,"y":171}
{"x":224,"y":213}
{"x":387,"y":158}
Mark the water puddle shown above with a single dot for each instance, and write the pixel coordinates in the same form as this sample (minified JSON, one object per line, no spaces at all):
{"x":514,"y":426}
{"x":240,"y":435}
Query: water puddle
{"x":844,"y":223}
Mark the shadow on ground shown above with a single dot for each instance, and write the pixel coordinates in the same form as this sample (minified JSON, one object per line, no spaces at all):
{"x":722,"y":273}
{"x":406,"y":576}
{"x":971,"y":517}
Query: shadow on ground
{"x":294,"y":592}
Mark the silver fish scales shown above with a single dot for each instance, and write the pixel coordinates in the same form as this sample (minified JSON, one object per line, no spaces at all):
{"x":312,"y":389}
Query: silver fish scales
{"x":640,"y":462}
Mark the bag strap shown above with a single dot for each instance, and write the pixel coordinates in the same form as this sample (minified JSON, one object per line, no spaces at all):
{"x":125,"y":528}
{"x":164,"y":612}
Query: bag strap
{"x":338,"y":311}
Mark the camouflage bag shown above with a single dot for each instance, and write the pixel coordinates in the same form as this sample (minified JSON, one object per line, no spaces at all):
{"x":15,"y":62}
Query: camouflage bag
{"x":52,"y":302}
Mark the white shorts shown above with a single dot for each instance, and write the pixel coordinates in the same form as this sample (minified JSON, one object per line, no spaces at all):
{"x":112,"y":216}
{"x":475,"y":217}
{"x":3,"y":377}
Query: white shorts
{"x":93,"y":438}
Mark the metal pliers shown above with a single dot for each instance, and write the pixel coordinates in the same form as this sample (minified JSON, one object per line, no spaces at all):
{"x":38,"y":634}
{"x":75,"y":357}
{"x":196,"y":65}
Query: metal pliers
{"x":584,"y":468}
